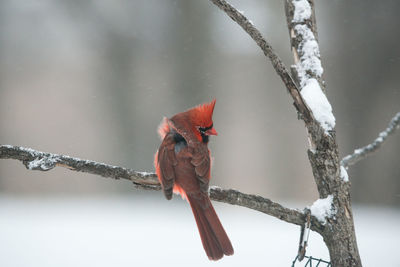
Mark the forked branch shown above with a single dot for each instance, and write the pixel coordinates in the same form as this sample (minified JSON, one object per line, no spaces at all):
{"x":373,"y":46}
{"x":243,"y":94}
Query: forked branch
{"x":277,"y":63}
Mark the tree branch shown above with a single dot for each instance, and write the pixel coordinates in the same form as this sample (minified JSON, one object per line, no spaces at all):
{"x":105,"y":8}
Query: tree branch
{"x":363,"y":152}
{"x":302,"y":25}
{"x":43,"y":161}
{"x":263,"y":205}
{"x":277,"y":63}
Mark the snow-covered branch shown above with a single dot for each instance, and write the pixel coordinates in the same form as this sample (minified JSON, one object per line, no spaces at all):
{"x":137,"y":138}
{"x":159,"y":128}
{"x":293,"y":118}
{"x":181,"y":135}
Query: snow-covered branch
{"x":363,"y":152}
{"x":308,"y":68}
{"x":43,"y":161}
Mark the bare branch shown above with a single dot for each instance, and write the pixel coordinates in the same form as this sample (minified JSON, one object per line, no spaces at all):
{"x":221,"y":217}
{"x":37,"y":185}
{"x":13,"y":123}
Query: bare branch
{"x":43,"y":161}
{"x":263,"y":205}
{"x":363,"y":152}
{"x":277,"y":63}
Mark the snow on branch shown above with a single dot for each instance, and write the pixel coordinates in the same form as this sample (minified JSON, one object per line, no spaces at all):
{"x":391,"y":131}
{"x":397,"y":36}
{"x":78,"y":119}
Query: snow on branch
{"x":343,"y":174}
{"x":43,"y":161}
{"x":318,"y":103}
{"x":323,"y":209}
{"x":363,"y":152}
{"x":308,"y":65}
{"x":302,"y":11}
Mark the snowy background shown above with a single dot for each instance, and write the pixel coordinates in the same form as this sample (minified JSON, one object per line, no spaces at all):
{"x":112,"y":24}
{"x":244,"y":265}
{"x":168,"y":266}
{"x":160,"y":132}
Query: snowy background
{"x":94,"y":79}
{"x":131,"y":231}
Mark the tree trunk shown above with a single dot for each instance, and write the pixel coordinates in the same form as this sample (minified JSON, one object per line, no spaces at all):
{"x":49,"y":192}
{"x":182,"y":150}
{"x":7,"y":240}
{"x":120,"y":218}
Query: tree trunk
{"x":338,"y":232}
{"x":339,"y":235}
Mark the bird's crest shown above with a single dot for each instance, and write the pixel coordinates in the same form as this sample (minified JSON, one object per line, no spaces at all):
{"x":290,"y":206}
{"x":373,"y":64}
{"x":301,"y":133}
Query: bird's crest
{"x":202,"y":114}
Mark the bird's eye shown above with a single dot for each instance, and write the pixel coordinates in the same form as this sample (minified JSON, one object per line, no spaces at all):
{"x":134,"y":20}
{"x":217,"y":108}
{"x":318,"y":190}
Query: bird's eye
{"x":204,"y":129}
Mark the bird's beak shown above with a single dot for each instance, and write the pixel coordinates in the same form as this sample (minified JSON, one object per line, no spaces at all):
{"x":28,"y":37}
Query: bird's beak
{"x":212,"y":131}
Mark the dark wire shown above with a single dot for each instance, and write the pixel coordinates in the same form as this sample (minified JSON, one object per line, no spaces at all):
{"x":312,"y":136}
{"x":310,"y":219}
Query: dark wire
{"x":311,"y":260}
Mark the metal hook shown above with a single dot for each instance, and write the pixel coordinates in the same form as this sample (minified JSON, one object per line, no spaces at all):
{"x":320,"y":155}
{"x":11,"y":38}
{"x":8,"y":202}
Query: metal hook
{"x":304,"y":234}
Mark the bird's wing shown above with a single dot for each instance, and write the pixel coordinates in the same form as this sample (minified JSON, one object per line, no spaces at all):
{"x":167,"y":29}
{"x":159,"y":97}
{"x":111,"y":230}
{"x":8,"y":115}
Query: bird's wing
{"x":166,"y":161}
{"x":201,"y":163}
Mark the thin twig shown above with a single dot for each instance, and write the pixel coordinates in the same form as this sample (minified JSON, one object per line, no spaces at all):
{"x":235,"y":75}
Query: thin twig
{"x":43,"y":161}
{"x":363,"y":152}
{"x":277,"y":63}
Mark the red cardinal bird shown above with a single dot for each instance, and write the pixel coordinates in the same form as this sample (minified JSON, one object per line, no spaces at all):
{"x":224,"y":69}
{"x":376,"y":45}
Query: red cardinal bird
{"x":183,"y":166}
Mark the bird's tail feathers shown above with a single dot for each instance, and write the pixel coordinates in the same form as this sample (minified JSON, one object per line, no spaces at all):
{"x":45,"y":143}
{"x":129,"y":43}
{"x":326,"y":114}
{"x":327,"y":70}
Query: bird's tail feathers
{"x":215,"y":241}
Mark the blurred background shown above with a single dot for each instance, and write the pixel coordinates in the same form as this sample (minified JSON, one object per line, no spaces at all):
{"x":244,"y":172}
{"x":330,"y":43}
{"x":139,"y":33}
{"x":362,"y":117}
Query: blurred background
{"x":93,"y":79}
